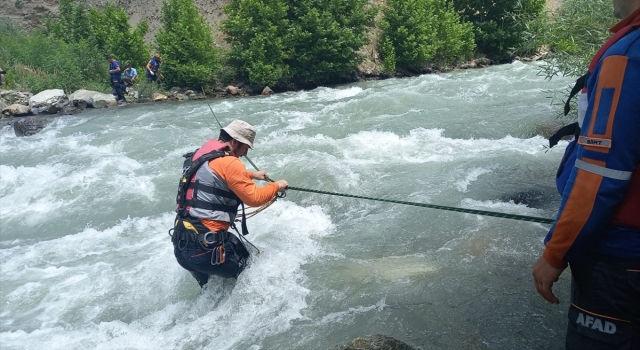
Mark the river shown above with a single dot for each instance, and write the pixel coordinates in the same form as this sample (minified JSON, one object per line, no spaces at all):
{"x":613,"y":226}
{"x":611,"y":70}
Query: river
{"x":85,"y":206}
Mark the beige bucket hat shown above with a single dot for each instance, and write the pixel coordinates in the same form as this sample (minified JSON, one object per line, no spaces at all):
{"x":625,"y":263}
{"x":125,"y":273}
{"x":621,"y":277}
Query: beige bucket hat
{"x":241,"y":131}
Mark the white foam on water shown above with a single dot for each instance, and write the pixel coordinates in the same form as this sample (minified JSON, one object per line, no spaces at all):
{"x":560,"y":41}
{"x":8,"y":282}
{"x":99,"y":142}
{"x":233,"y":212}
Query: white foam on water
{"x":470,"y":175}
{"x":116,"y":287}
{"x":501,"y":207}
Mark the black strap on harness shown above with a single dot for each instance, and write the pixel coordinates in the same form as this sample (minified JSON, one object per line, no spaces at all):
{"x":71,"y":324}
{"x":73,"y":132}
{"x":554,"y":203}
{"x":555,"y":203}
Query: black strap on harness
{"x":189,"y":169}
{"x":571,"y":129}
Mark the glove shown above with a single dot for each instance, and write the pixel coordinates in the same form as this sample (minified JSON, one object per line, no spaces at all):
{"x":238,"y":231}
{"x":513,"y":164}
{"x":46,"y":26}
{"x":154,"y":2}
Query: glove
{"x":152,"y":73}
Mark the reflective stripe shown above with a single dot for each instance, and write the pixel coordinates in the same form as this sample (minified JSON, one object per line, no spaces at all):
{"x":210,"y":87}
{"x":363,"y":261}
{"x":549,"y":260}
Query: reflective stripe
{"x":602,"y":171}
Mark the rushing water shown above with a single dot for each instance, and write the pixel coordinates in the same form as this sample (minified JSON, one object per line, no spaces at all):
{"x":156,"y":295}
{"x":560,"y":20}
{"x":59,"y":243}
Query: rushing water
{"x":86,"y":262}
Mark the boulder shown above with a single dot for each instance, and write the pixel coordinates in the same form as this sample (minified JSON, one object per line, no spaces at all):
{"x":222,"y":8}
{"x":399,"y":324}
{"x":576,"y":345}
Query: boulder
{"x":232,"y":90}
{"x":16,"y":110}
{"x":267,"y":91}
{"x":182,"y":97}
{"x":377,"y":342}
{"x":158,"y":97}
{"x":11,"y":97}
{"x":87,"y":98}
{"x":190,"y":93}
{"x":482,"y":62}
{"x":29,"y":126}
{"x":48,"y":101}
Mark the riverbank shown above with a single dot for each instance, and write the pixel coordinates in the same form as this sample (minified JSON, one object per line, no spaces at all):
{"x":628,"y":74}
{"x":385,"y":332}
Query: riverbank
{"x":19,"y":105}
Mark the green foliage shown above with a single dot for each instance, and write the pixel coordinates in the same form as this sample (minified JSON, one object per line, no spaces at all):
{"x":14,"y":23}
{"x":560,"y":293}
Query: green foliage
{"x":108,"y":30}
{"x":418,"y":32}
{"x":499,"y":26}
{"x":186,"y":43}
{"x":72,"y":25}
{"x":37,"y":62}
{"x":326,"y":36}
{"x":257,"y":31}
{"x":111,"y":33}
{"x":573,"y":35}
{"x":305,"y":42}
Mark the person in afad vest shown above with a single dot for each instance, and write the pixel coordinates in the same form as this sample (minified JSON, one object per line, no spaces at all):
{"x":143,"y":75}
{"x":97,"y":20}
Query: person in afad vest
{"x":597,"y":229}
{"x":214,"y":184}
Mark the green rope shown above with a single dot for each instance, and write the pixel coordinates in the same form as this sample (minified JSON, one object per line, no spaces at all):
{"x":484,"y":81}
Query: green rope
{"x":423,"y":205}
{"x":432,"y":206}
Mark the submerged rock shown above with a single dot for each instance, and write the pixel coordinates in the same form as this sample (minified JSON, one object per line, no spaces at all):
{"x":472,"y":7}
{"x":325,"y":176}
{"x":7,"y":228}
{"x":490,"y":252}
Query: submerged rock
{"x":29,"y":126}
{"x":377,"y":342}
{"x":531,"y":198}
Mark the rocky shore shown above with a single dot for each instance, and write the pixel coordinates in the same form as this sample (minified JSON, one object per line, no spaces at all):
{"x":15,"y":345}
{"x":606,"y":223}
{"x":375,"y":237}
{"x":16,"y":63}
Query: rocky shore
{"x":28,"y":113}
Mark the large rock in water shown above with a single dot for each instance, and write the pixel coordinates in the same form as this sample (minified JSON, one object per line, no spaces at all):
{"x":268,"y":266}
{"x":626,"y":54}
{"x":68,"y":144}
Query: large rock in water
{"x":87,"y":98}
{"x":377,"y":342}
{"x":29,"y":126}
{"x":48,"y":101}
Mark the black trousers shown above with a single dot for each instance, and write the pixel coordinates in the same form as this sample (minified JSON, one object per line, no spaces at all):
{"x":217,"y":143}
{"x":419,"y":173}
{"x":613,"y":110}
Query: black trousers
{"x":117,"y":85}
{"x":605,"y":304}
{"x":197,"y":259}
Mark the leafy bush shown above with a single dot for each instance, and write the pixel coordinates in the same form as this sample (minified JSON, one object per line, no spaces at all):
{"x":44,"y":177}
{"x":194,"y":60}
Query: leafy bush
{"x":499,"y":26}
{"x":573,"y":35}
{"x":37,"y":62}
{"x":111,"y":33}
{"x":186,"y":43}
{"x":326,"y":36}
{"x":303,"y":42}
{"x":417,"y":32}
{"x":71,"y":25}
{"x":108,"y":30}
{"x":258,"y":34}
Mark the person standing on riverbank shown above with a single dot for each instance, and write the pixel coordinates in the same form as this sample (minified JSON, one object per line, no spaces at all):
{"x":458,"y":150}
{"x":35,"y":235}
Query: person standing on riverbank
{"x":597,"y":230}
{"x":2,"y":73}
{"x":213,"y":185}
{"x":153,"y":69}
{"x":115,"y":72}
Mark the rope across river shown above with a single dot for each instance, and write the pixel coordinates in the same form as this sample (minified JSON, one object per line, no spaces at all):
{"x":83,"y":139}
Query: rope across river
{"x":415,"y":204}
{"x":433,"y":206}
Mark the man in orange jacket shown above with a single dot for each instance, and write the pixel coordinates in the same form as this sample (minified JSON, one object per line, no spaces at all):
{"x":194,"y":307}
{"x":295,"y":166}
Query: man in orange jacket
{"x":214,"y":184}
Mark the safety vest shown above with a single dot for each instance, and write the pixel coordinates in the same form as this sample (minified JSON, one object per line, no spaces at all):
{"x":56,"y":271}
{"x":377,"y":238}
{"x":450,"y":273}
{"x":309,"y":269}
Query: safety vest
{"x":626,"y":215}
{"x":202,"y":194}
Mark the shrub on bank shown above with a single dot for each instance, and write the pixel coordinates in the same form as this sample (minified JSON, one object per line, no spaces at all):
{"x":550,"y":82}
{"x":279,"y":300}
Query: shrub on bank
{"x":499,"y":26}
{"x":573,"y":35}
{"x":107,"y":30}
{"x":186,"y":44}
{"x":36,"y":62}
{"x":303,"y":42}
{"x":419,"y":32}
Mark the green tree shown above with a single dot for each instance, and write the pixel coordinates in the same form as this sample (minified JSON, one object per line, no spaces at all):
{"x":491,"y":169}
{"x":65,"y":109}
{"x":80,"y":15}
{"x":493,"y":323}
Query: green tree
{"x":573,"y":35}
{"x":38,"y":62}
{"x":186,"y":43}
{"x":326,"y":36}
{"x":257,"y":31}
{"x":71,"y":25}
{"x":304,"y":42}
{"x":106,"y":29}
{"x":419,"y":32}
{"x":111,"y":33}
{"x":499,"y":26}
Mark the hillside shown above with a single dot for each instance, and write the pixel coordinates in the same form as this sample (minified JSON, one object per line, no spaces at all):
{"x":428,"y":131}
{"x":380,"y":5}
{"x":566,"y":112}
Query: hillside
{"x":30,"y":13}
